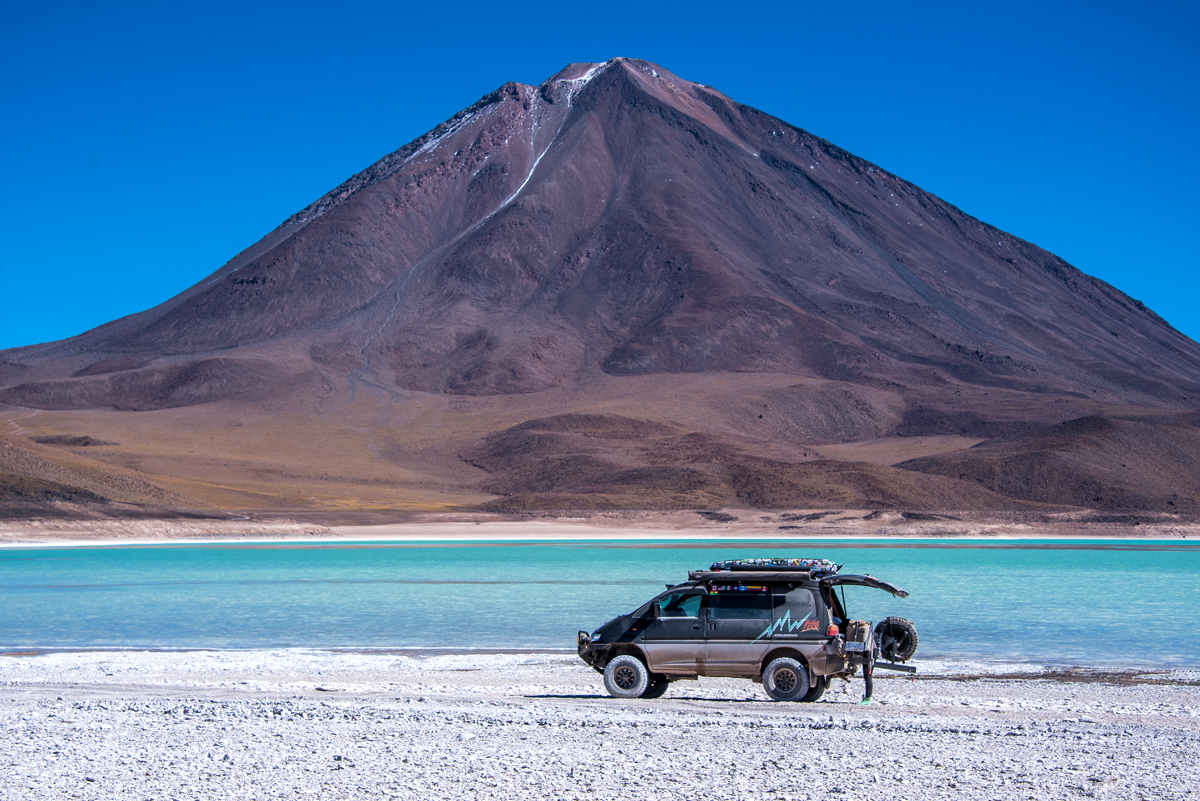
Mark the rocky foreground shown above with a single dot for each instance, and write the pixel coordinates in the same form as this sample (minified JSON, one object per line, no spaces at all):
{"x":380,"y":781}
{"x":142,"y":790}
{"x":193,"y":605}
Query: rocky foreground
{"x":250,"y":725}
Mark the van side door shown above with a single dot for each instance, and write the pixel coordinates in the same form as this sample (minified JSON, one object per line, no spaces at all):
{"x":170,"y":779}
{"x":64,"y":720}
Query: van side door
{"x":737,"y":616}
{"x":674,"y":643}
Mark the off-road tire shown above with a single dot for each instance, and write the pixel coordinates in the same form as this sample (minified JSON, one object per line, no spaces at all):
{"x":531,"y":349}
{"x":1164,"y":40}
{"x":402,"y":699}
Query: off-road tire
{"x":785,"y":679}
{"x":896,"y":638}
{"x":816,"y":690}
{"x":656,"y":687}
{"x":626,"y":677}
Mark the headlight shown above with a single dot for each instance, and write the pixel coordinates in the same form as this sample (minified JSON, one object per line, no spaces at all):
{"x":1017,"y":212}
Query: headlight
{"x":595,"y":637}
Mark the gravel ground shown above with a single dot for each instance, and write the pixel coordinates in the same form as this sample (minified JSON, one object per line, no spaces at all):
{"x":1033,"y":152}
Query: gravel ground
{"x":286,"y":724}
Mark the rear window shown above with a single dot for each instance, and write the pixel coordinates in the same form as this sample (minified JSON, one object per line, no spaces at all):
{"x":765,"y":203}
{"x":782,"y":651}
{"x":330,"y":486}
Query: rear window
{"x":799,"y":598}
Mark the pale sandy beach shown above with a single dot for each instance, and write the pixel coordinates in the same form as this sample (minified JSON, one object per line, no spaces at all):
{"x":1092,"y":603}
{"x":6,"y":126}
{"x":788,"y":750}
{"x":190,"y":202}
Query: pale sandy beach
{"x":287,"y":724}
{"x":744,"y":525}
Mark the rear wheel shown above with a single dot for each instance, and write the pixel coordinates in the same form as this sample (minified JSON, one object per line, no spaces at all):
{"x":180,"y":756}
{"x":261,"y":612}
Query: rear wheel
{"x":897,"y":639}
{"x":816,"y":690}
{"x":656,"y":687}
{"x":785,"y":679}
{"x":626,"y":677}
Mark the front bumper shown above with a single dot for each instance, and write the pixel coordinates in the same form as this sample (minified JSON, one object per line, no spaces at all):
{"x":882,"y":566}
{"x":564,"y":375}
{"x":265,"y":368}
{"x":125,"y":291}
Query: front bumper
{"x":593,"y":653}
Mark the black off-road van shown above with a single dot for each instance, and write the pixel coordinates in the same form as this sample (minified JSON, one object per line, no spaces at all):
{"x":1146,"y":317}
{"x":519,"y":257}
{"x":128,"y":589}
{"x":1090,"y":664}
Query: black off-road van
{"x":775,"y":621}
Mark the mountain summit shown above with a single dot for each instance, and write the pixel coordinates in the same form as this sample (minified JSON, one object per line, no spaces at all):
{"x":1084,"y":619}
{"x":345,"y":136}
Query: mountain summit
{"x":618,"y":223}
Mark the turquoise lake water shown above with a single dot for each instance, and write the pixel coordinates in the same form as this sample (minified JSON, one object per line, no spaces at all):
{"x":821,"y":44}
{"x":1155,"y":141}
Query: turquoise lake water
{"x":1104,"y":603}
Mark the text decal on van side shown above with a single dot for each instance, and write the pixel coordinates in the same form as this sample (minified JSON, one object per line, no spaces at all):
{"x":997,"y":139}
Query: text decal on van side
{"x":784,"y":623}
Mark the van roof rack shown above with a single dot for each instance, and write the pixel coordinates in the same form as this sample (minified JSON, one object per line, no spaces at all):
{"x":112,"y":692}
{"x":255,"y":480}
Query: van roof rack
{"x":817,"y":568}
{"x":752,"y":576}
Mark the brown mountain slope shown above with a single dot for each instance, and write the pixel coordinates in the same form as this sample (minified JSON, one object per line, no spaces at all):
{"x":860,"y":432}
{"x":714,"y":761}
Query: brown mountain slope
{"x":615,"y":227}
{"x":1135,"y":463}
{"x":32,"y":474}
{"x":607,"y":461}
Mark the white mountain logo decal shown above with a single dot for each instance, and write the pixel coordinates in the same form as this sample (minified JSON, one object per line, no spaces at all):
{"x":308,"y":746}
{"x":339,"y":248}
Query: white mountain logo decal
{"x":784,"y":623}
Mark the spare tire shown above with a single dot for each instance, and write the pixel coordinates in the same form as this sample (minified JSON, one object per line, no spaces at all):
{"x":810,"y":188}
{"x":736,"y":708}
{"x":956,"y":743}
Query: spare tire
{"x":896,"y":638}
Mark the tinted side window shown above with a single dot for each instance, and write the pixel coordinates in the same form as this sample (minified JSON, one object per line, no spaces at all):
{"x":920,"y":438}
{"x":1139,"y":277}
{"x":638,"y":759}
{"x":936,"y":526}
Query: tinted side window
{"x":739,"y":605}
{"x":682,"y":604}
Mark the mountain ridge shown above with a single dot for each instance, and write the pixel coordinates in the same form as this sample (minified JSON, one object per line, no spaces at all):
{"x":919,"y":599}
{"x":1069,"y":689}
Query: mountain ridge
{"x":615,"y":223}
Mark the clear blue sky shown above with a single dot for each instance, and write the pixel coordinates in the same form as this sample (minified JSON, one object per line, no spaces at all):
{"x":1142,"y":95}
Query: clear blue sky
{"x":143,"y":145}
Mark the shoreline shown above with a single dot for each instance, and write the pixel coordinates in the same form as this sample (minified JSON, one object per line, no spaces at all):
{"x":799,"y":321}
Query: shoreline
{"x":631,"y":527}
{"x":937,"y":667}
{"x":900,"y":541}
{"x":416,"y":542}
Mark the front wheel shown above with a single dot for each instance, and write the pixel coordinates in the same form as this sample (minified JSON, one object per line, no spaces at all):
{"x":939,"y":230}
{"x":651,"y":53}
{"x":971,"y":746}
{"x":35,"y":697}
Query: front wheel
{"x":626,"y":677}
{"x":785,"y":679}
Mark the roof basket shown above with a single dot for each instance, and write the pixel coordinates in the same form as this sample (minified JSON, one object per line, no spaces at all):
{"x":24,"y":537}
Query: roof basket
{"x":747,"y":577}
{"x":817,"y":568}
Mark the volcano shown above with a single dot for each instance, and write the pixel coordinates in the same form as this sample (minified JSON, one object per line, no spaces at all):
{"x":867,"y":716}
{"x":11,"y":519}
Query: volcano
{"x":620,"y":250}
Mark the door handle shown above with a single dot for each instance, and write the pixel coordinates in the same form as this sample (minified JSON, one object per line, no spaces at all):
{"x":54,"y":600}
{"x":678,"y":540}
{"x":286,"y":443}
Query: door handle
{"x":696,"y":627}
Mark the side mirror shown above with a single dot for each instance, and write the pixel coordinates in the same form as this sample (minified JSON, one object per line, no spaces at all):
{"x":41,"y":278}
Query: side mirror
{"x":655,"y":610}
